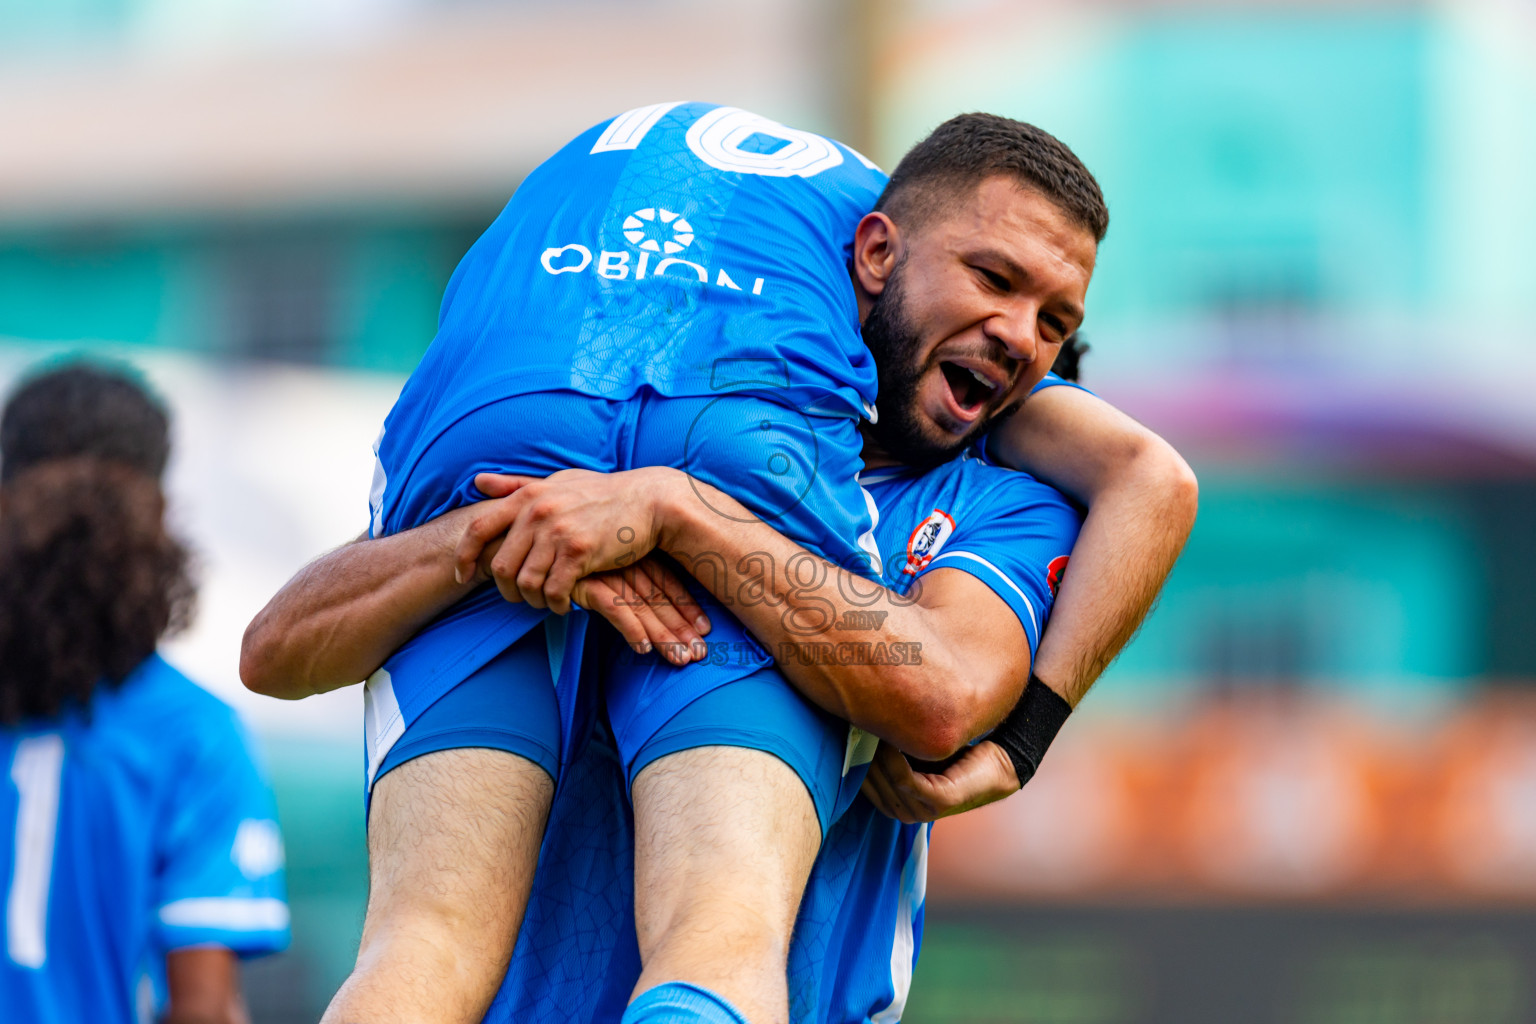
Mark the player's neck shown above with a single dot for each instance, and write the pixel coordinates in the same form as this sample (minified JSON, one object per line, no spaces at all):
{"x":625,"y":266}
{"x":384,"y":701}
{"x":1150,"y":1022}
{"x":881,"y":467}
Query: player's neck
{"x":875,"y":457}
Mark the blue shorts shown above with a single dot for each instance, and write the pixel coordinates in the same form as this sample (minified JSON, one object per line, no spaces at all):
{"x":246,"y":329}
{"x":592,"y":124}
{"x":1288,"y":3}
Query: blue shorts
{"x":796,"y":471}
{"x":509,"y":704}
{"x":506,"y":704}
{"x":760,"y":712}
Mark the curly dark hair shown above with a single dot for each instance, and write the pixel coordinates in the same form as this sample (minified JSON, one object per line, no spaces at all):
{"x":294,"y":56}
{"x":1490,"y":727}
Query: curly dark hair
{"x":967,"y":149}
{"x":90,"y":580}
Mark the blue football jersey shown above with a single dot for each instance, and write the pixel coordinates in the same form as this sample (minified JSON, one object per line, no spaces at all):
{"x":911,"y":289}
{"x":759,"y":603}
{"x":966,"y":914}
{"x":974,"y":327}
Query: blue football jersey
{"x":687,"y":248}
{"x":138,"y":828}
{"x":861,"y":920}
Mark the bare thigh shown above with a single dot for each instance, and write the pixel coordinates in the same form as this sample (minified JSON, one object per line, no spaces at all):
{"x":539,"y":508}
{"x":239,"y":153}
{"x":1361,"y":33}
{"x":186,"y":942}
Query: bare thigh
{"x":453,"y":840}
{"x":724,"y":842}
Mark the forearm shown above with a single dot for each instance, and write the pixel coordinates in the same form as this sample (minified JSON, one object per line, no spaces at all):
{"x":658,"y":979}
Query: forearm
{"x":204,"y":987}
{"x":1141,"y":498}
{"x":858,"y":650}
{"x":1134,"y":533}
{"x":342,"y":615}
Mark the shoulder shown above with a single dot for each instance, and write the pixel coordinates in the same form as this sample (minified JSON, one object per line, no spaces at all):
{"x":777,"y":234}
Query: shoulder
{"x":993,"y":490}
{"x":1051,"y":380}
{"x":159,"y":695}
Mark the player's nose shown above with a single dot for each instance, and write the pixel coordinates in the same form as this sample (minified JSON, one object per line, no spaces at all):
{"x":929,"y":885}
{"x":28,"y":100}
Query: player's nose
{"x":1013,"y":327}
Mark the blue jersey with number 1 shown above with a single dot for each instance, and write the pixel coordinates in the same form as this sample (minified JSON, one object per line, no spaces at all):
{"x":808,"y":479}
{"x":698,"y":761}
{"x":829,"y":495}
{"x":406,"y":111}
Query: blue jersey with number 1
{"x":127,"y":833}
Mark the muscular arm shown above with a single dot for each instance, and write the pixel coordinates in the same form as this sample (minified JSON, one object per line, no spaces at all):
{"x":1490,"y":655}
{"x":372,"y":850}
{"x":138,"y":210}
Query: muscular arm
{"x":963,"y":655}
{"x":204,"y":987}
{"x":336,"y":622}
{"x":1141,"y":498}
{"x":966,"y":653}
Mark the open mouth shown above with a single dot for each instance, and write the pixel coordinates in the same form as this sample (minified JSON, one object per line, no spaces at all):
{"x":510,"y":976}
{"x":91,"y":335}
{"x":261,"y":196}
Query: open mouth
{"x":971,"y":388}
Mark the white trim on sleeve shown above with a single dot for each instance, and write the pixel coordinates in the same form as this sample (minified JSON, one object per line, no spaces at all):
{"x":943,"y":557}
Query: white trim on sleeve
{"x":227,"y":913}
{"x":1033,"y":620}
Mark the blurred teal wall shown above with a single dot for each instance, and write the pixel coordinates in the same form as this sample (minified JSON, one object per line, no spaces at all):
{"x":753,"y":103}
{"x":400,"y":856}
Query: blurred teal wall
{"x":357,"y":294}
{"x":1373,"y":590}
{"x":1363,"y":161}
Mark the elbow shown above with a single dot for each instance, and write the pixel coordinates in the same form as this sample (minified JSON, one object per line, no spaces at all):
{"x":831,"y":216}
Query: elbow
{"x":962,"y":705}
{"x":1171,"y":483}
{"x":1184,"y":493}
{"x":260,"y":670}
{"x":254,"y":661}
{"x":933,"y":740}
{"x":939,"y":720}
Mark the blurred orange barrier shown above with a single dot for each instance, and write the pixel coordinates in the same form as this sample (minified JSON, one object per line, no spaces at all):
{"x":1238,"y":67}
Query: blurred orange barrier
{"x":1266,"y":797}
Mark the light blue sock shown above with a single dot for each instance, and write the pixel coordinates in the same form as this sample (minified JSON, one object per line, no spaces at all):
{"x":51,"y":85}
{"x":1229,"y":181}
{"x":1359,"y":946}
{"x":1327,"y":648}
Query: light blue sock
{"x":678,"y":1002}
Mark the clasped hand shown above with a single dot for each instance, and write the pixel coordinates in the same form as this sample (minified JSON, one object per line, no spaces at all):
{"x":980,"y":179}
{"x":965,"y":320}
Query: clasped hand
{"x":584,"y":537}
{"x":981,"y":775}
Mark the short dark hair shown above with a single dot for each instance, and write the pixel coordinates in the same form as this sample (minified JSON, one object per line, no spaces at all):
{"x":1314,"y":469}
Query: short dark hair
{"x":84,"y":408}
{"x":966,"y":150}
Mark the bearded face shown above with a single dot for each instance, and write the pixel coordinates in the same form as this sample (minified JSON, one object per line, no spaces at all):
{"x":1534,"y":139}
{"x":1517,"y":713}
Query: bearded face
{"x":904,"y":363}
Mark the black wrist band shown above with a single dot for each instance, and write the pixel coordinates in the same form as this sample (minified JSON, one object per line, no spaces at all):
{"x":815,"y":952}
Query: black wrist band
{"x":1030,"y":727}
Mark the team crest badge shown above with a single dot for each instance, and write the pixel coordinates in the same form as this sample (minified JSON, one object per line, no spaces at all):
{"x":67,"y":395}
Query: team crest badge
{"x":926,"y":541}
{"x":1055,"y":571}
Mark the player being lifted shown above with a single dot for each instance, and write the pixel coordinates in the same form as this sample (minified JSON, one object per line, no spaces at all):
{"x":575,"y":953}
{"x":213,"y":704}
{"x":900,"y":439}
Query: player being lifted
{"x":996,"y":226}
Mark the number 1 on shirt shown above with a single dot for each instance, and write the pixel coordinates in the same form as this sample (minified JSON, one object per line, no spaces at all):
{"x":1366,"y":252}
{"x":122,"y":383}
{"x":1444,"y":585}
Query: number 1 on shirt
{"x":37,"y":771}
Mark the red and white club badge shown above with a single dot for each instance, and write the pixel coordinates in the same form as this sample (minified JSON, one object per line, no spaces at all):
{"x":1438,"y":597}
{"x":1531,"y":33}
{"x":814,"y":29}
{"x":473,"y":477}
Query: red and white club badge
{"x":927,"y":539}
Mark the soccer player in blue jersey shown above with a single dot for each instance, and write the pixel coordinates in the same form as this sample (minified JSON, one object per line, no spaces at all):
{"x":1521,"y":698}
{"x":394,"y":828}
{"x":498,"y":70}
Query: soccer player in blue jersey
{"x":859,"y":927}
{"x":1017,"y":280}
{"x":559,"y":347}
{"x":139,"y":848}
{"x":987,"y":544}
{"x":917,"y":666}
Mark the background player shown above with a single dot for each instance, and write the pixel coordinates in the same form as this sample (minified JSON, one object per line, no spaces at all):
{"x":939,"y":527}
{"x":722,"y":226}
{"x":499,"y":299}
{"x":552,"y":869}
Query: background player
{"x":138,"y":841}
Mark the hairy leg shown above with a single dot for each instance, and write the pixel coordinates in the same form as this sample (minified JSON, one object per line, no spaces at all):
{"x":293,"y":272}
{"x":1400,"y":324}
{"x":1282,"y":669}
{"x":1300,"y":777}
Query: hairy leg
{"x":453,"y":839}
{"x":724,"y":842}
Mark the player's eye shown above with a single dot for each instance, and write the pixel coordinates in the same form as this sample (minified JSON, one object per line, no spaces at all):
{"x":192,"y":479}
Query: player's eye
{"x":1056,"y":331}
{"x":994,"y":279}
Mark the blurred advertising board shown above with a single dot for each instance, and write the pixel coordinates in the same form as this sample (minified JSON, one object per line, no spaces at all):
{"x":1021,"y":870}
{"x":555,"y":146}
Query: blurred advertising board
{"x":1265,"y":798}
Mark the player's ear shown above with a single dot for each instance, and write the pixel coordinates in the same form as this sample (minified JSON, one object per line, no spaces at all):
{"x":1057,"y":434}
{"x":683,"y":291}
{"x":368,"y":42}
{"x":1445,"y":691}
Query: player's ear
{"x":877,"y":248}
